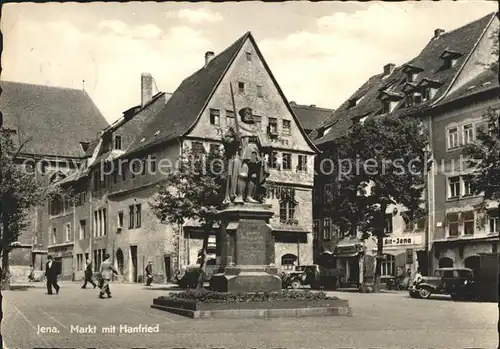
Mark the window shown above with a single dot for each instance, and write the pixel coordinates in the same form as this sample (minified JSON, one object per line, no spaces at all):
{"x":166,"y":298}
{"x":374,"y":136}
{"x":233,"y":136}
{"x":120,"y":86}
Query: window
{"x":386,"y":106}
{"x":118,"y":142}
{"x":273,"y":160}
{"x":327,"y":229}
{"x":494,"y":222}
{"x":286,"y":127}
{"x":315,"y":228}
{"x":428,"y":93}
{"x":241,"y":87}
{"x":115,"y":176}
{"x":99,"y":213}
{"x":468,"y":133}
{"x":104,"y":222}
{"x":327,"y":193}
{"x":287,"y":161}
{"x":388,"y":266}
{"x":288,"y":261}
{"x":83,"y":229}
{"x":96,"y":224}
{"x":287,"y":210}
{"x":248,"y":56}
{"x":131,"y":217}
{"x":198,"y":147}
{"x":273,"y":126}
{"x":215,"y":117}
{"x":467,"y":187}
{"x":68,"y":232}
{"x":453,"y":141}
{"x":124,"y":171}
{"x":388,"y":223}
{"x":468,"y":219}
{"x":259,"y":91}
{"x":453,"y":224}
{"x":302,"y":166}
{"x":138,"y":213}
{"x":120,"y":219}
{"x":453,"y":187}
{"x":448,"y":63}
{"x":408,"y":226}
{"x":54,"y":236}
{"x":230,"y":120}
{"x":214,"y":147}
{"x":152,"y":164}
{"x":410,"y":76}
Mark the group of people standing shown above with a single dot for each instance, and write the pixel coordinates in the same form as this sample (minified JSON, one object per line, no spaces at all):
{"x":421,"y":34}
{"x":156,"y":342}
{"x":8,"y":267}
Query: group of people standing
{"x":106,"y":271}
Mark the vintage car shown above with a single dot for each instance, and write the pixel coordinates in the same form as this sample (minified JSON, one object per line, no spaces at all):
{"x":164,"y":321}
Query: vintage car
{"x":313,"y":275}
{"x":188,"y":276}
{"x":459,"y":283}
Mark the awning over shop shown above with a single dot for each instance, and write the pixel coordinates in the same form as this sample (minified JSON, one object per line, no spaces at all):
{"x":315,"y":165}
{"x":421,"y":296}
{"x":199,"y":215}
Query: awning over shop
{"x":348,"y":248}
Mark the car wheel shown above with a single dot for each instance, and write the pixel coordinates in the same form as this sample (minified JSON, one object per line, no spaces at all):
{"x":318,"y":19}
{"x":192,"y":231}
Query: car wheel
{"x":295,"y":284}
{"x":413,"y":294}
{"x":425,"y":293}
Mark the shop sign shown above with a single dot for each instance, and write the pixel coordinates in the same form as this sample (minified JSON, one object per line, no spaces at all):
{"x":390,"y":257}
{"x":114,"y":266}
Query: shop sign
{"x":415,"y":240}
{"x":347,"y":249}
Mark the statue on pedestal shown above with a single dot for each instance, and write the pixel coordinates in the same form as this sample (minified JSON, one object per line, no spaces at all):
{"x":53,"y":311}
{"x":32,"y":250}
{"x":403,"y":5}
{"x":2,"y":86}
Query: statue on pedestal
{"x":247,"y":167}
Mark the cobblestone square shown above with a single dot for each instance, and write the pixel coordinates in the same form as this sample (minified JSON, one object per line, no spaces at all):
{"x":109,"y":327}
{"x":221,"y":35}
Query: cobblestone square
{"x":386,"y":320}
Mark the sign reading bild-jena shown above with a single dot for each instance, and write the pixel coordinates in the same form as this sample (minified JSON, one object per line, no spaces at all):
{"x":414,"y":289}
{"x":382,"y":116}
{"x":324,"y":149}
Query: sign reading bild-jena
{"x":402,"y":241}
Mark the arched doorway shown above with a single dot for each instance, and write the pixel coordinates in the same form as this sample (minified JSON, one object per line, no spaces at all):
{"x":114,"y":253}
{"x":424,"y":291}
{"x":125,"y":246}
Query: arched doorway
{"x":288,"y":260}
{"x":446,"y":262}
{"x":119,"y":260}
{"x":472,"y":262}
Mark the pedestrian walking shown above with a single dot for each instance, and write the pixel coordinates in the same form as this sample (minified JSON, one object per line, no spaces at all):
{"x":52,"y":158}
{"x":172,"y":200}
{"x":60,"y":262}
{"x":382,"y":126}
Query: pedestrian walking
{"x":106,"y":270}
{"x":89,"y":275}
{"x":31,"y":276}
{"x":149,"y":273}
{"x":51,"y":272}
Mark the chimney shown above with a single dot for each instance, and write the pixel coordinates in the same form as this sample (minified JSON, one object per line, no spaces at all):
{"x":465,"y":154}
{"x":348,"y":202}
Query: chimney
{"x":389,"y":68}
{"x":438,"y":32}
{"x":146,"y":88}
{"x":292,"y":103}
{"x":313,"y":105}
{"x":208,"y":57}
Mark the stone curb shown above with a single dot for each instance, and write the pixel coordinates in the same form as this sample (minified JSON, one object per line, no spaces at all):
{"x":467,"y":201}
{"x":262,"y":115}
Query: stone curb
{"x":257,"y":313}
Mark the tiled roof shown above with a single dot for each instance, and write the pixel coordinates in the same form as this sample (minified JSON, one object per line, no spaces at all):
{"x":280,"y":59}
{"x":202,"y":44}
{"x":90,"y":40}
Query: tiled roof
{"x":462,"y":40}
{"x":485,"y":81}
{"x":55,"y":119}
{"x":310,"y":116}
{"x":188,"y":100}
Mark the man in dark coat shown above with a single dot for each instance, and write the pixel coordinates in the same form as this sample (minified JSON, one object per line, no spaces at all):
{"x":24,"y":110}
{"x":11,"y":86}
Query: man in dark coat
{"x":51,"y":272}
{"x":89,"y":275}
{"x":149,"y":273}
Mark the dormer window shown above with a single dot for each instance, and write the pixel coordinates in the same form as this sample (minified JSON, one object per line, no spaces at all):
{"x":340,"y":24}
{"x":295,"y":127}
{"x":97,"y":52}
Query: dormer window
{"x":389,"y":101}
{"x":449,"y":58}
{"x":386,"y":106}
{"x":118,"y":142}
{"x":411,"y":72}
{"x":429,"y":88}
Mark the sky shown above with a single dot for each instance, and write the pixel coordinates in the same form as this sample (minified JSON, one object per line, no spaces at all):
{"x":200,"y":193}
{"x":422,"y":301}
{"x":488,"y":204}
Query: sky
{"x":320,"y":53}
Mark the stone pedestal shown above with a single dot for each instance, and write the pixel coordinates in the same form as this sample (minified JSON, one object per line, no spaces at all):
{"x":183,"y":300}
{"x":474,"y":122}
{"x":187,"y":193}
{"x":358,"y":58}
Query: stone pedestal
{"x":246,"y":248}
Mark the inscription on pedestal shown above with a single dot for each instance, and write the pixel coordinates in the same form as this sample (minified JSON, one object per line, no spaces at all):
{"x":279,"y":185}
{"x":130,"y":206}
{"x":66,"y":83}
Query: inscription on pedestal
{"x":252,"y":243}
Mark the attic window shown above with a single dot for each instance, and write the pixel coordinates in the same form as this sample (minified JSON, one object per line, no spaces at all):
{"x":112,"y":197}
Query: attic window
{"x":388,"y":106}
{"x":487,"y":83}
{"x":411,"y":72}
{"x":118,"y":142}
{"x":248,"y":56}
{"x":449,"y":58}
{"x":157,"y":133}
{"x":241,"y":87}
{"x":428,"y":93}
{"x":411,"y":76}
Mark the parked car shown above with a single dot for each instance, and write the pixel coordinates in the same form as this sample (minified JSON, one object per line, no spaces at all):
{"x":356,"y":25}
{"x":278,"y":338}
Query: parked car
{"x":312,"y":275}
{"x":459,"y":283}
{"x":188,"y":276}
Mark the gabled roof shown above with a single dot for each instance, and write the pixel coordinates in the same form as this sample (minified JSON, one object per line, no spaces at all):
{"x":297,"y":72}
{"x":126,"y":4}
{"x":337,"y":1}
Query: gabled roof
{"x":55,"y":119}
{"x":462,"y":40}
{"x":184,"y":108}
{"x":310,"y":116}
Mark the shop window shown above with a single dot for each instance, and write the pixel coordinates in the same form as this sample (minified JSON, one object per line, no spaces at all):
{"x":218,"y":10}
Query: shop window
{"x":288,"y":261}
{"x":388,"y":266}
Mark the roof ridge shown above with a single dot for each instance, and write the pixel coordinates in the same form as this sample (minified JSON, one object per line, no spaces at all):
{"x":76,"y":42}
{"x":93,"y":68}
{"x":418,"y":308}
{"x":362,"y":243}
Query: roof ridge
{"x":40,"y":85}
{"x":491,"y":14}
{"x":309,"y":106}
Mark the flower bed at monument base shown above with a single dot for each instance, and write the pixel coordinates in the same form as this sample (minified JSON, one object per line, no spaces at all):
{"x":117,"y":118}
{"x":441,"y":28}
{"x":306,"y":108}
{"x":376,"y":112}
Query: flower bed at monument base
{"x":208,"y":304}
